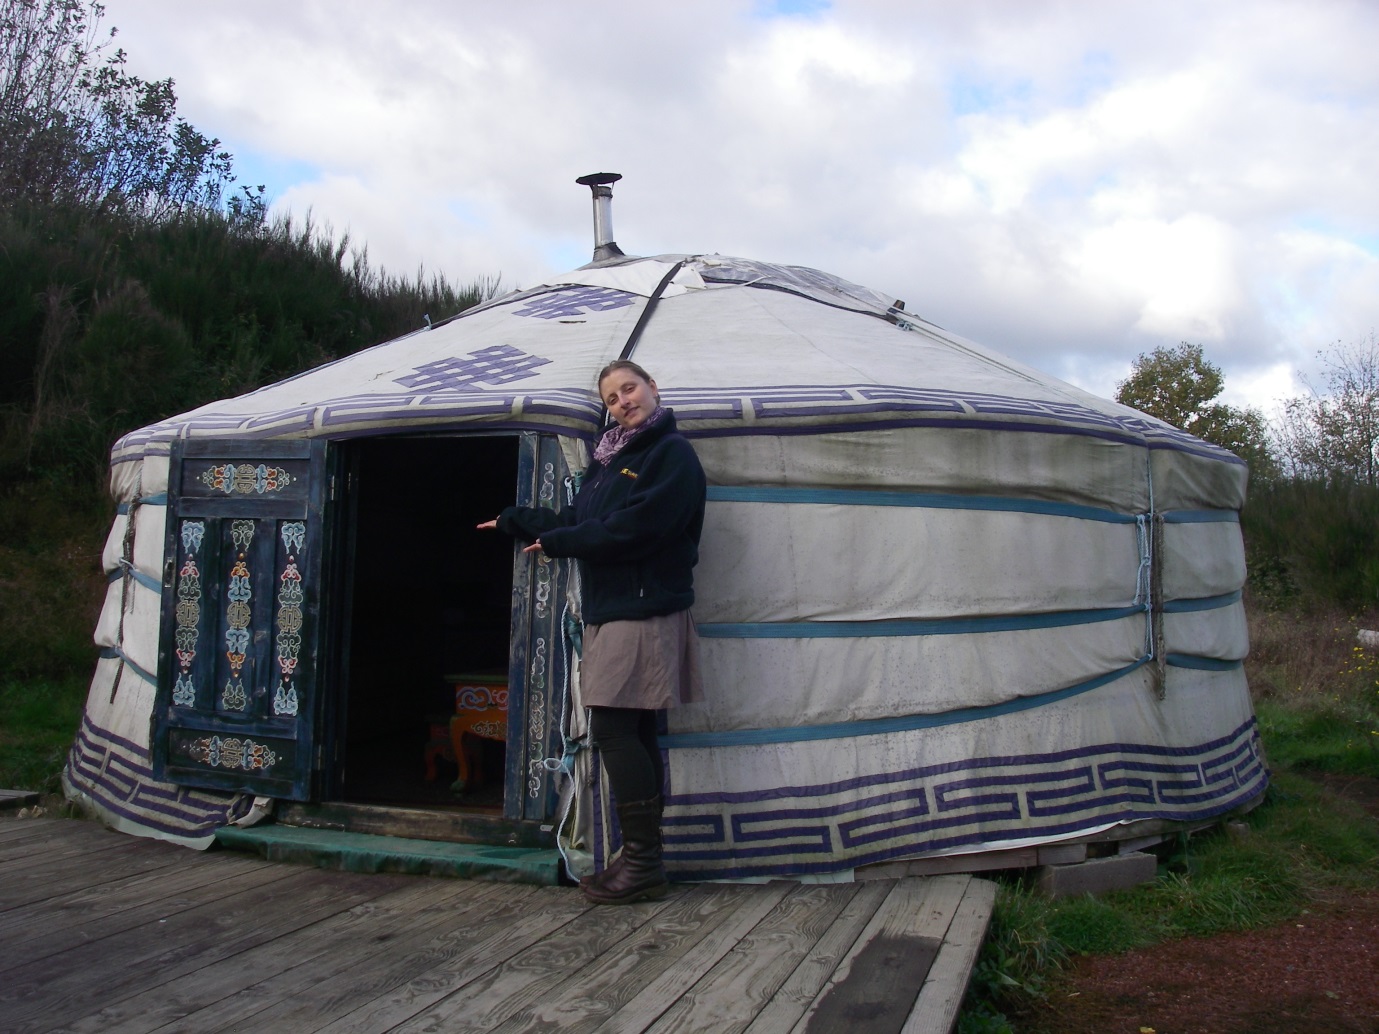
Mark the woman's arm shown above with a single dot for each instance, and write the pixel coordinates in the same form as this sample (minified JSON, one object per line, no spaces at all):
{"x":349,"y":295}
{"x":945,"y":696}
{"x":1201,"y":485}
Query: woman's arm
{"x":527,"y":522}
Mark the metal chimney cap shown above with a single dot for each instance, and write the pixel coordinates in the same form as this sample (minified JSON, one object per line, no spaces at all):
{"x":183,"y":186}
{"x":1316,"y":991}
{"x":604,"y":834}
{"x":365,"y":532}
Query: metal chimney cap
{"x":598,"y":179}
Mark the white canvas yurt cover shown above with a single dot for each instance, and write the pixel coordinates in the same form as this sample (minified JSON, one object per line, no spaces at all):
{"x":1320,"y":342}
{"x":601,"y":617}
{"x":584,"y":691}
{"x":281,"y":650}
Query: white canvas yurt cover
{"x":948,"y":604}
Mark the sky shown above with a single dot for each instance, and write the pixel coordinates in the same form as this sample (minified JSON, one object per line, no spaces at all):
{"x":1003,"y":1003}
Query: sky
{"x":1071,"y":183}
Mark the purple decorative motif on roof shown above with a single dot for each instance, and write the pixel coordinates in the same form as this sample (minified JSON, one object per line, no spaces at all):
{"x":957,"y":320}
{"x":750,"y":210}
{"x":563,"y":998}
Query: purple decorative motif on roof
{"x":575,"y":301}
{"x":497,"y":364}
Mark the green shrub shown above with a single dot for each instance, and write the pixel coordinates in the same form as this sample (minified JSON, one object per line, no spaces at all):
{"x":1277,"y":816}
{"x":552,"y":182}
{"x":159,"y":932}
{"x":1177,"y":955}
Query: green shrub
{"x":1314,"y":540}
{"x":114,"y":322}
{"x":51,"y":583}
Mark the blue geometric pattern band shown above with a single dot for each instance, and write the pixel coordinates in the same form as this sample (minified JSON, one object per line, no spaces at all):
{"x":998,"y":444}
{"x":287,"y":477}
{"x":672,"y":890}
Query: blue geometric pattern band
{"x":978,"y":802}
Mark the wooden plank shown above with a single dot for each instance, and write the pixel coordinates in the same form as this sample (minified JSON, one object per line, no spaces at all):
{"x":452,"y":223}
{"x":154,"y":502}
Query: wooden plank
{"x":18,"y":798}
{"x":728,"y":998}
{"x":61,"y":838}
{"x":230,"y":942}
{"x":453,"y":964}
{"x":386,"y":951}
{"x":909,"y":926}
{"x":876,"y":996}
{"x":49,"y":991}
{"x":749,"y":905}
{"x":62,"y":924}
{"x":73,"y":869}
{"x":122,"y":891}
{"x":936,"y":1008}
{"x":68,"y":846}
{"x":12,"y":827}
{"x":296,"y":961}
{"x":804,"y":985}
{"x":590,"y":995}
{"x":526,"y":977}
{"x":942,"y":865}
{"x":1068,"y":854}
{"x":425,"y":823}
{"x":28,"y":884}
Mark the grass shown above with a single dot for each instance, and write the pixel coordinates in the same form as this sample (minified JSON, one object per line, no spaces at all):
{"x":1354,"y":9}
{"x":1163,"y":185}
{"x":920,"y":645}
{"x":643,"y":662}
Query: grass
{"x":51,"y":588}
{"x":38,"y":721}
{"x":1317,"y":703}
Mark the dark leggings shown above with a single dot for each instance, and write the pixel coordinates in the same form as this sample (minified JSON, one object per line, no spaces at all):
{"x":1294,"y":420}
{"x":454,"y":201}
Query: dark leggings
{"x":625,"y":738}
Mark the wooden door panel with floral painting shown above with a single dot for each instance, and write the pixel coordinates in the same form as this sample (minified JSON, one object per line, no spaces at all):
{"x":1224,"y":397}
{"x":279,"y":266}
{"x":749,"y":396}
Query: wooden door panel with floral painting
{"x":238,"y":672}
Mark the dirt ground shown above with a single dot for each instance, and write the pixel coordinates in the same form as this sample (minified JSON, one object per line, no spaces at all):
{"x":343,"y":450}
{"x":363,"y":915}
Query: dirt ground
{"x":1316,"y":974}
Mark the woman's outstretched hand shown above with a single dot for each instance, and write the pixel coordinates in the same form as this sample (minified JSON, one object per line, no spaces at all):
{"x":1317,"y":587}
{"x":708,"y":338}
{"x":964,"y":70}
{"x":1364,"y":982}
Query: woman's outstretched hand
{"x":535,"y":547}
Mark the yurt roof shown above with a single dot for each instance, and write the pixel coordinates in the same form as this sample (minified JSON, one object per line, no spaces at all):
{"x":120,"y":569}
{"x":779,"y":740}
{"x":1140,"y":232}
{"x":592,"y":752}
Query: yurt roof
{"x":739,"y":346}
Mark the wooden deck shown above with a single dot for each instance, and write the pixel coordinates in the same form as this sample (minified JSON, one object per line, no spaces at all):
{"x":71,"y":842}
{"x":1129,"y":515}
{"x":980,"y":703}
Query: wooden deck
{"x":100,"y":931}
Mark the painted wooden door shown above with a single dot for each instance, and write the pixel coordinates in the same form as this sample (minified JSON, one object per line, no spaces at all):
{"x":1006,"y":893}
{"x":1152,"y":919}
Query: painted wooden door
{"x":238,"y":705}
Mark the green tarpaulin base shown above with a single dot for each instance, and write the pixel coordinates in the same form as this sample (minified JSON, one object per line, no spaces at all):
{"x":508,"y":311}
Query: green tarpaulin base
{"x":365,"y":852}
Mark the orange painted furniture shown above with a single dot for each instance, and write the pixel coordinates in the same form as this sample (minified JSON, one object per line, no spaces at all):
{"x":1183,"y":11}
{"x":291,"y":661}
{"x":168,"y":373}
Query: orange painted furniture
{"x":481,"y":710}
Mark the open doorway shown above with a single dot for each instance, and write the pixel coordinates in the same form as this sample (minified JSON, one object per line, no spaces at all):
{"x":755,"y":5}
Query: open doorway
{"x":429,"y":615}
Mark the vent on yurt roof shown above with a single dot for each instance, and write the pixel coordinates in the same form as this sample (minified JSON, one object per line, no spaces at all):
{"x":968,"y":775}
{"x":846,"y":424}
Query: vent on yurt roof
{"x":600,"y":185}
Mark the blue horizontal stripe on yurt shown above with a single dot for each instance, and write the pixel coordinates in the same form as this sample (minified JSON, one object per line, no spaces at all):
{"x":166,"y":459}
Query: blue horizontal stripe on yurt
{"x":1203,"y":603}
{"x":161,"y":499}
{"x":147,"y":581}
{"x":929,"y":500}
{"x":1201,"y":517}
{"x":880,"y":726}
{"x":933,"y":626}
{"x":1184,"y":660}
{"x":114,"y":653}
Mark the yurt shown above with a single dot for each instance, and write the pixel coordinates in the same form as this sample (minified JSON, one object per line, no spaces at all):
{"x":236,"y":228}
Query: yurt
{"x":950,"y":607}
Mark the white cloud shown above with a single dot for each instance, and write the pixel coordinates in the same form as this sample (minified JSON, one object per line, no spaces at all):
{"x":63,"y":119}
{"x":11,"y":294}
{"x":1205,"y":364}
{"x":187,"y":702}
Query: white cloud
{"x":1072,"y":183}
{"x":1180,"y":274}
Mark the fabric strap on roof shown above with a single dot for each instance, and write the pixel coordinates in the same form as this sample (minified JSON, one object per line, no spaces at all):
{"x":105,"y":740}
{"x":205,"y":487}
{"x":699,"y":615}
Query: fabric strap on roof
{"x":647,"y":310}
{"x":642,"y":321}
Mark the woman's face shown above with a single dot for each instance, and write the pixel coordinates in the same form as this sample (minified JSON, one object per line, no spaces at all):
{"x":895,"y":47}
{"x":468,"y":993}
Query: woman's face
{"x":629,"y":399}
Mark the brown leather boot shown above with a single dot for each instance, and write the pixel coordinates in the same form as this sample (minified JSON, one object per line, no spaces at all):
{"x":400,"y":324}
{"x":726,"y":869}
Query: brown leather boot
{"x":606,"y":873}
{"x":637,"y":875}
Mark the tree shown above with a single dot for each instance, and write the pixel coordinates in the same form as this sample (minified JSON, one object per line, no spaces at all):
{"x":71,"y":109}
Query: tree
{"x":1333,"y":435}
{"x":77,"y":129}
{"x":1178,"y":385}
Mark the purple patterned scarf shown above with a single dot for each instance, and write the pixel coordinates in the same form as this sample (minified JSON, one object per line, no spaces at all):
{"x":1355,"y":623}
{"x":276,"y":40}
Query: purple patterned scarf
{"x":615,"y":439}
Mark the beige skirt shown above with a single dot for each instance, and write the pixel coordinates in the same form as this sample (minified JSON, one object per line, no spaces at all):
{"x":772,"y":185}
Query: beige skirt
{"x":651,"y":663}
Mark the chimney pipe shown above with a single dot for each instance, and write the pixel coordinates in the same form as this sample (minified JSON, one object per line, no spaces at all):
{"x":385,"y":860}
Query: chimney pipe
{"x":601,"y":185}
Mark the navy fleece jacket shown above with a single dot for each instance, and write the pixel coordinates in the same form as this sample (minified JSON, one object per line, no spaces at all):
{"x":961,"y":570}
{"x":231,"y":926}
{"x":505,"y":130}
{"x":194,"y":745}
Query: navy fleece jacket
{"x":634,"y":527}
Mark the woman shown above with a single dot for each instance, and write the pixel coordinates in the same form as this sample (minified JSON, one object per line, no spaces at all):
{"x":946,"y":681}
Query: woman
{"x":635,"y":528}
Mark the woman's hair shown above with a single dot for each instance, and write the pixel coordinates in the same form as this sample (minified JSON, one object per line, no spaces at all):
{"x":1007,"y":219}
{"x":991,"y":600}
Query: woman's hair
{"x":621,"y":364}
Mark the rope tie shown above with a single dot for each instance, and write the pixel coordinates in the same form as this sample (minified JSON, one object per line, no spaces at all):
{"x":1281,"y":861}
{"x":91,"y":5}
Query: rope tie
{"x":564,"y":766}
{"x":1144,"y":577}
{"x":126,"y":564}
